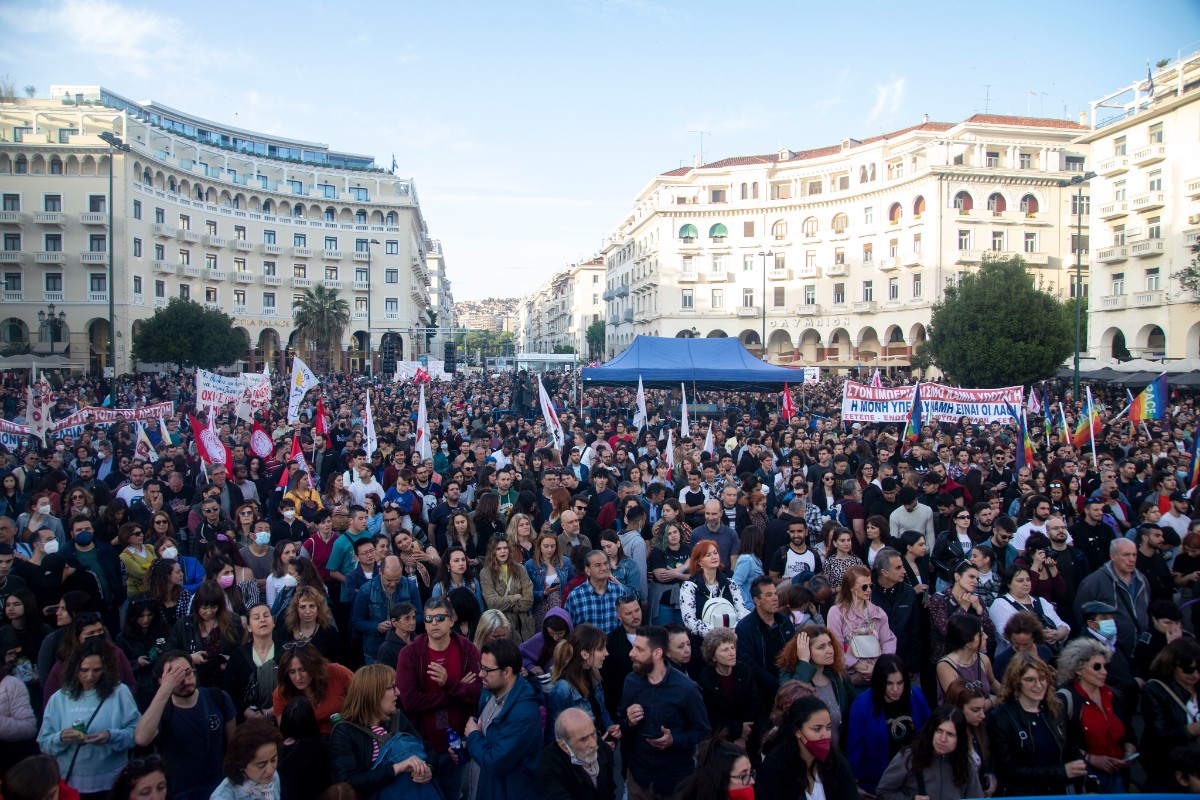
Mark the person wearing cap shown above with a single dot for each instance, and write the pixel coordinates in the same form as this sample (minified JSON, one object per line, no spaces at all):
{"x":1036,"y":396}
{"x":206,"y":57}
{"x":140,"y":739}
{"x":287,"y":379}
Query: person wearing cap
{"x":1176,"y":518}
{"x":1100,"y":624}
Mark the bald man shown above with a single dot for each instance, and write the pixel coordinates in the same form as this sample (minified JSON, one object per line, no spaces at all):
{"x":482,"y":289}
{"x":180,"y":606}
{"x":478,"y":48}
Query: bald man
{"x":576,"y":765}
{"x":715,"y":529}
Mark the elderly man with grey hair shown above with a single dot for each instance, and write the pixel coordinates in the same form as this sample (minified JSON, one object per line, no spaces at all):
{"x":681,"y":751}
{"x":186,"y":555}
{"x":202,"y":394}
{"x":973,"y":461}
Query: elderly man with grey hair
{"x":891,"y":591}
{"x":1119,"y":584}
{"x":577,"y":765}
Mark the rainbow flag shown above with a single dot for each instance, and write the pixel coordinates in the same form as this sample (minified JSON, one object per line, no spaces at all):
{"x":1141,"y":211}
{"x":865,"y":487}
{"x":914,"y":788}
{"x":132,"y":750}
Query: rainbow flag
{"x":912,"y":426}
{"x":1025,"y":453}
{"x":1062,"y":419}
{"x":1089,"y":427}
{"x":1152,"y":402}
{"x":1194,"y":467}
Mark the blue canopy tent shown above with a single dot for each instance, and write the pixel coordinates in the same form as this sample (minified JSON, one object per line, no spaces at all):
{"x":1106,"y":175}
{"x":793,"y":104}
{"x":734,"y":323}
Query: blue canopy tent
{"x":702,"y":363}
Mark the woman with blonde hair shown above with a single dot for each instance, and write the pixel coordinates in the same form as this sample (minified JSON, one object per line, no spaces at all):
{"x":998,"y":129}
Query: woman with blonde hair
{"x":492,"y":625}
{"x":1028,"y":734}
{"x":548,"y":573}
{"x":307,"y":619}
{"x":137,"y":556}
{"x":369,"y":713}
{"x":861,"y":627}
{"x":520,"y":535}
{"x":506,"y":586}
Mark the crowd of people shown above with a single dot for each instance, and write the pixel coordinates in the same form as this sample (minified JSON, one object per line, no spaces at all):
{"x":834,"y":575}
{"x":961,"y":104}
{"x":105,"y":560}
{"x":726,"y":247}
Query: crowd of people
{"x":809,"y":609}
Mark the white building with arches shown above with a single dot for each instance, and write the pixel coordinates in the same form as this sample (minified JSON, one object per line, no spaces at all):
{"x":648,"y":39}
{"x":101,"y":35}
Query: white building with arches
{"x":835,"y":255}
{"x":1146,"y":216}
{"x":234,"y":219}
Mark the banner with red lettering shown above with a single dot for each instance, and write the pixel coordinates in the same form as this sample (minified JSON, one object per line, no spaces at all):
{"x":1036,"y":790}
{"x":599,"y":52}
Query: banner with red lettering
{"x":862,"y":403}
{"x":98,"y":415}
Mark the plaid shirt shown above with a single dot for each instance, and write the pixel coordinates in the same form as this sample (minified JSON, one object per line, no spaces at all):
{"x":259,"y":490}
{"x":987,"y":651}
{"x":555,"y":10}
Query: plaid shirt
{"x":584,"y":605}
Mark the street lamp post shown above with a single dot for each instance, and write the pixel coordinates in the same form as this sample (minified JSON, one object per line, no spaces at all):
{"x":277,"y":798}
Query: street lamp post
{"x":763,"y":340}
{"x":115,"y":145}
{"x":1078,"y":181}
{"x":370,"y":357}
{"x":47,"y":316}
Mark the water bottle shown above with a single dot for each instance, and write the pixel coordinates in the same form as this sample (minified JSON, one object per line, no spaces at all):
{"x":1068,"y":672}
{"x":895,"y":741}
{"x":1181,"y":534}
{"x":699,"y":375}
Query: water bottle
{"x":457,"y":745}
{"x":159,"y":644}
{"x":334,"y":719}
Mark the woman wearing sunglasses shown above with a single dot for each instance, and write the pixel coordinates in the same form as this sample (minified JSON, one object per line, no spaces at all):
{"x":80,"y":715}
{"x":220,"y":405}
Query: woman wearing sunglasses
{"x":1094,"y":720}
{"x":1169,"y":700}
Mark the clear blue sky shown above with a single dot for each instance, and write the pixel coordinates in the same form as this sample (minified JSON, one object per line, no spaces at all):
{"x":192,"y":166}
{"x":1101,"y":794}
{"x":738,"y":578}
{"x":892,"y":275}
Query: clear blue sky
{"x":529,"y":127}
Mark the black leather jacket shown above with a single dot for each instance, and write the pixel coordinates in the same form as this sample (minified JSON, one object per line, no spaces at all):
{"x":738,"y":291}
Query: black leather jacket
{"x":1166,"y":722}
{"x":1021,"y":770}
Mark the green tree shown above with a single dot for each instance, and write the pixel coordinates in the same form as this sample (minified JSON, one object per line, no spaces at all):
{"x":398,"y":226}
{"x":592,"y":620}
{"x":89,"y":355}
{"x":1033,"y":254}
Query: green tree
{"x":595,"y":339}
{"x":190,"y":335}
{"x":995,"y":328}
{"x":563,"y":349}
{"x":1189,"y":276}
{"x":1069,"y":303}
{"x":321,"y":318}
{"x":431,"y":328}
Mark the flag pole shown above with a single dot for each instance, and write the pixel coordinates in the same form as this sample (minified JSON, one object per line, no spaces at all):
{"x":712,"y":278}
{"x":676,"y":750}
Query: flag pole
{"x":1092,"y":437}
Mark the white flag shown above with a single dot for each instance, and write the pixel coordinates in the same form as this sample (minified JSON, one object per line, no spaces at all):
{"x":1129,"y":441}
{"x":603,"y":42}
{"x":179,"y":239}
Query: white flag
{"x":671,"y":448}
{"x":37,"y":408}
{"x":551,"y":417}
{"x":710,"y":446}
{"x":877,"y":380}
{"x":303,"y":379}
{"x":163,"y":432}
{"x":369,"y":426}
{"x":639,"y":416}
{"x":684,"y":428}
{"x":424,"y":449}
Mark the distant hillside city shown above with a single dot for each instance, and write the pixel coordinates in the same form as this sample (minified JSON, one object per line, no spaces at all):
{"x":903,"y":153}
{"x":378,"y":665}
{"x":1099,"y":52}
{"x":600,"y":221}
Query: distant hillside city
{"x":494,"y":314}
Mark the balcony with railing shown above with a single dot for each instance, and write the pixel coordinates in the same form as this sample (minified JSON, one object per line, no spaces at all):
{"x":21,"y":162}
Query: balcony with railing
{"x":864,"y":306}
{"x":52,"y":297}
{"x":969,"y":257}
{"x":272,"y":249}
{"x":269,"y":311}
{"x":13,"y":297}
{"x":1112,"y":255}
{"x":189,"y":271}
{"x":302,"y":252}
{"x":391,"y":315}
{"x":49,"y":257}
{"x":1151,"y":298}
{"x":243,"y":277}
{"x":1112,"y":302}
{"x":188,"y":236}
{"x":160,"y":302}
{"x":720,"y":277}
{"x":10,"y":217}
{"x":778,"y":273}
{"x":332,"y":255}
{"x":50,"y":218}
{"x":362,"y":286}
{"x":888,"y":264}
{"x":302,"y":283}
{"x":88,"y":218}
{"x":748,"y":311}
{"x":622,"y":290}
{"x":362,"y":255}
{"x":272,"y":280}
{"x":332,"y":283}
{"x":94,"y":258}
{"x":1191,"y":188}
{"x":1114,"y":210}
{"x":1034,"y":259}
{"x":1146,"y":248}
{"x":215,"y":241}
{"x":11,"y":257}
{"x":911,"y":260}
{"x":1149,"y":201}
{"x":163,"y":267}
{"x":215,"y":275}
{"x":360,"y":315}
{"x":239,"y":310}
{"x":627,"y":316}
{"x":690,"y":276}
{"x":836,"y":270}
{"x":243,"y":245}
{"x":1113,"y":166}
{"x":1150,"y":154}
{"x":165,"y":231}
{"x":97,"y":297}
{"x":808,"y":309}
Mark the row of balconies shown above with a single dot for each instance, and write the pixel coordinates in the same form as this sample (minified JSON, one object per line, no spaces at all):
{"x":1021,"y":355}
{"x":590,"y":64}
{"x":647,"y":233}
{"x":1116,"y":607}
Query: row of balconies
{"x":1142,"y":157}
{"x":1140,"y":203}
{"x":53,"y":218}
{"x":977,"y":256}
{"x":1141,"y":248}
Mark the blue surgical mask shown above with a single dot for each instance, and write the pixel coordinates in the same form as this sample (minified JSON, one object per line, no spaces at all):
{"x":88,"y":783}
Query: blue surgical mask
{"x":262,"y":538}
{"x":84,"y":538}
{"x":1182,"y":476}
{"x":1108,"y":628}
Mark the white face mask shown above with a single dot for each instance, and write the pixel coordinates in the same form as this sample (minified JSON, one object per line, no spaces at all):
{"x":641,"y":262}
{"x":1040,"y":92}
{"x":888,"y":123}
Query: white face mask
{"x":288,"y":580}
{"x":289,"y":515}
{"x":50,"y":547}
{"x":169,"y":552}
{"x":44,"y":509}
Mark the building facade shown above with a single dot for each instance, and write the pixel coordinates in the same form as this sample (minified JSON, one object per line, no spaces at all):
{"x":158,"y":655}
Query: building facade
{"x":234,"y":219}
{"x":558,"y":313}
{"x":834,"y":256}
{"x":1145,"y":209}
{"x":441,"y":296}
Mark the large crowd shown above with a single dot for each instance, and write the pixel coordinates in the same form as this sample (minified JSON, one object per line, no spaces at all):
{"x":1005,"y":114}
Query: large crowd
{"x":807,"y":610}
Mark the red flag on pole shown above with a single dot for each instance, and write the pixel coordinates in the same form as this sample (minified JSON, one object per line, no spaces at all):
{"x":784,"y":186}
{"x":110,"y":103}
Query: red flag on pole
{"x":296,"y":455}
{"x":789,"y":407}
{"x":319,"y":424}
{"x":208,"y":445}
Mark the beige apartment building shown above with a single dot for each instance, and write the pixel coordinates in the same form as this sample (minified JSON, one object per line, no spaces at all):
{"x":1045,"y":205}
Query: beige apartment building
{"x":833,"y":256}
{"x":234,"y":219}
{"x":558,"y":313}
{"x":1145,"y":210}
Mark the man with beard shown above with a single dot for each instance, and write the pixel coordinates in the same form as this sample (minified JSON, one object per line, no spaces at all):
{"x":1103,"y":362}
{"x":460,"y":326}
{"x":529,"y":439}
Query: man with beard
{"x":663,"y":718}
{"x":189,"y":726}
{"x":575,"y":766}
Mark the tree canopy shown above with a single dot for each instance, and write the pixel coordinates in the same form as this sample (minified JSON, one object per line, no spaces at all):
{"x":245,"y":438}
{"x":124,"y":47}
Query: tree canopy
{"x":190,"y":335}
{"x":996,"y":328}
{"x":595,"y":338}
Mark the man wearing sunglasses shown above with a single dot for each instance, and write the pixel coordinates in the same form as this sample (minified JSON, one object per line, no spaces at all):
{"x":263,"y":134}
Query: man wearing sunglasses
{"x":437,"y":677}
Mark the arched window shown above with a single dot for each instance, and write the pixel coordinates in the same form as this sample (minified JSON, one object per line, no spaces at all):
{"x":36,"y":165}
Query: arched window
{"x":56,"y":165}
{"x":147,"y":178}
{"x":810,"y":226}
{"x":360,"y":217}
{"x":964,"y":202}
{"x":862,"y":174}
{"x":298,"y":211}
{"x":745,"y":191}
{"x":330,"y":215}
{"x":391,"y":218}
{"x":200,"y":194}
{"x":871,"y":173}
{"x":20,"y":166}
{"x":996,"y":203}
{"x":754,"y":190}
{"x":919,"y":206}
{"x":172,"y":187}
{"x":840,"y":223}
{"x":268,"y":206}
{"x":779,"y":229}
{"x":895,"y":213}
{"x":1029,"y":204}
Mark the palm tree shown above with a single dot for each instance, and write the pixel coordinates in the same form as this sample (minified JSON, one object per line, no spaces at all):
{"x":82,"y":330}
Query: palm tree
{"x":321,"y":318}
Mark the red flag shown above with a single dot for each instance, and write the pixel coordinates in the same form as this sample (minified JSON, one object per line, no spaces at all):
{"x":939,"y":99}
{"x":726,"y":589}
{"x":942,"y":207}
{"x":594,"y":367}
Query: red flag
{"x":319,"y":424}
{"x":296,"y":455}
{"x":208,"y":445}
{"x":260,"y":441}
{"x":789,"y":407}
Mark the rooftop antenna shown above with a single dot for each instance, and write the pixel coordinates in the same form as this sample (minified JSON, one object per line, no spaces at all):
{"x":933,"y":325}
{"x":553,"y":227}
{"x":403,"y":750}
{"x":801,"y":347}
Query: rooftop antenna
{"x":702,"y":135}
{"x":987,"y":98}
